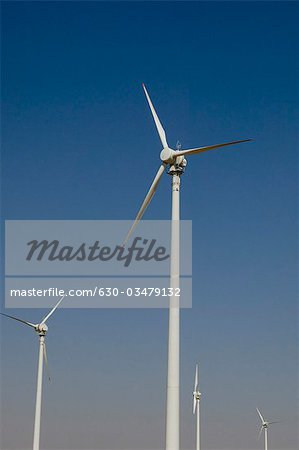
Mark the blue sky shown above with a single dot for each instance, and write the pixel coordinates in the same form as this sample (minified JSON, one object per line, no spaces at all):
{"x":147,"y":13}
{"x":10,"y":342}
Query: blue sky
{"x":78,"y":142}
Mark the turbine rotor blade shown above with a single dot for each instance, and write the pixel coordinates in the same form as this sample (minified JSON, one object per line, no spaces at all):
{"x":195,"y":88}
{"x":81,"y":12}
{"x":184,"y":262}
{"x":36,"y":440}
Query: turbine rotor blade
{"x":260,"y":414}
{"x":46,"y":360}
{"x":193,"y":151}
{"x":276,"y":421}
{"x":194,"y":404}
{"x":52,"y":310}
{"x":146,"y":201}
{"x":156,"y":119}
{"x":20,"y":320}
{"x":261,"y":430}
{"x":196,"y":378}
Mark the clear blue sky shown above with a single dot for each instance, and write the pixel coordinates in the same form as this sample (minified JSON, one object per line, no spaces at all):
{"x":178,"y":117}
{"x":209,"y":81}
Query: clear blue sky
{"x":78,"y":142}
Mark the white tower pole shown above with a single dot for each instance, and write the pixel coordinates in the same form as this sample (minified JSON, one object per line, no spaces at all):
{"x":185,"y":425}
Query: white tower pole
{"x":198,"y":425}
{"x":38,"y":404}
{"x":173,"y":376}
{"x":266,"y":438}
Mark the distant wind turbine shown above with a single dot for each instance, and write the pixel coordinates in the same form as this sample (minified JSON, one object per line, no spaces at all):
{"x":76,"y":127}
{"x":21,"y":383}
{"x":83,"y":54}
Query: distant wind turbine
{"x":265,"y":425}
{"x":41,"y":329}
{"x":196,"y":407}
{"x":176,"y":163}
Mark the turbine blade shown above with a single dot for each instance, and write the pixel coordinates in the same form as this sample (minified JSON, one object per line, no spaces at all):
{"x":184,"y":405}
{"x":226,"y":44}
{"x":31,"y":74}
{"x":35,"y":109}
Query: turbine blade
{"x":260,"y":414}
{"x":276,"y":421}
{"x":196,"y":378}
{"x":194,"y":404}
{"x":52,"y":310}
{"x":156,"y":119}
{"x":46,"y":360}
{"x":193,"y":151}
{"x":20,"y":320}
{"x":146,"y":201}
{"x":261,"y":430}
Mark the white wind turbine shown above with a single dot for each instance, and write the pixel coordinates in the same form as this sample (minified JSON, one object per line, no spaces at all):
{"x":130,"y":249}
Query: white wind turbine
{"x":265,"y":425}
{"x":41,"y":329}
{"x":196,"y":407}
{"x":176,"y":163}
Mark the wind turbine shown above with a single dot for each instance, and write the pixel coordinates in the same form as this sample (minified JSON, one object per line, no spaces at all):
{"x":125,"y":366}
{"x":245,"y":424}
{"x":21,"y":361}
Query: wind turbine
{"x":265,"y":425}
{"x":196,"y":407}
{"x":41,"y":329}
{"x":176,"y":163}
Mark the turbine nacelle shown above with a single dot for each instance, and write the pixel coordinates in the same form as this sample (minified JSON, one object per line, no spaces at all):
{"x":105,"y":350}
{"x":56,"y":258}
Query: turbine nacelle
{"x":266,"y":424}
{"x":168,"y":156}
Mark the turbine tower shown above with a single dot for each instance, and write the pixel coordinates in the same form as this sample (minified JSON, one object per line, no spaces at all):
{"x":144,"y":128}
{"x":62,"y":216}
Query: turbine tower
{"x":41,"y":329}
{"x":196,"y":407}
{"x":176,"y":163}
{"x":264,"y":427}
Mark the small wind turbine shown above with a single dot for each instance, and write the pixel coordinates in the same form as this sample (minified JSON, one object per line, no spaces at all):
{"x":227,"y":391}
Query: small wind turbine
{"x":196,"y":407}
{"x":41,"y":329}
{"x":265,"y":425}
{"x":176,"y":163}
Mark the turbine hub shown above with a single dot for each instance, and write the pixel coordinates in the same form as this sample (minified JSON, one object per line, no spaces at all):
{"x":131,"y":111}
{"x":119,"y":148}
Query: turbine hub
{"x":167,"y":155}
{"x":196,"y":395}
{"x":41,"y":328}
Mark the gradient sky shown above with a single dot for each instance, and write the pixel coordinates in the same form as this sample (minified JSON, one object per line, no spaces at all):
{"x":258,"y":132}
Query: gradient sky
{"x":78,"y":142}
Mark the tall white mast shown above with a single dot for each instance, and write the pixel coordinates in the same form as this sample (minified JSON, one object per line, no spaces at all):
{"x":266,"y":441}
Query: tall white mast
{"x":196,"y":408}
{"x":41,"y":329}
{"x":264,"y":427}
{"x":175,"y":160}
{"x":173,"y":376}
